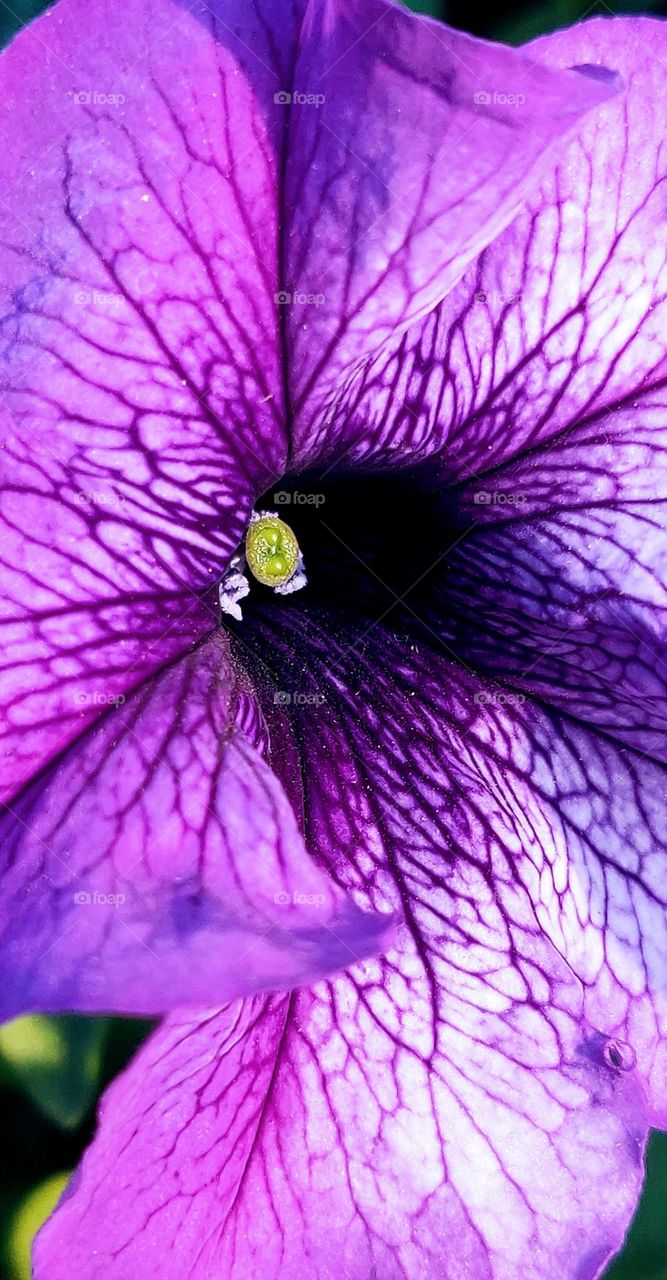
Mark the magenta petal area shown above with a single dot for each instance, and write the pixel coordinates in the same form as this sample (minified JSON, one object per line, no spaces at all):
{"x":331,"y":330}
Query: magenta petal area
{"x":435,"y":763}
{"x":353,"y":1131}
{"x":535,"y":397}
{"x":475,"y":1102}
{"x":140,"y":386}
{"x":207,"y":238}
{"x":411,"y":147}
{"x":560,"y":589}
{"x":560,"y":320}
{"x":158,"y":863}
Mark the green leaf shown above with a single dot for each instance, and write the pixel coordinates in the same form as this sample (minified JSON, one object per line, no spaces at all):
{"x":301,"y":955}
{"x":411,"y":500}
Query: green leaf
{"x":32,"y":1212}
{"x":514,"y":24}
{"x":436,"y":8}
{"x":57,"y":1062}
{"x":645,"y":1254}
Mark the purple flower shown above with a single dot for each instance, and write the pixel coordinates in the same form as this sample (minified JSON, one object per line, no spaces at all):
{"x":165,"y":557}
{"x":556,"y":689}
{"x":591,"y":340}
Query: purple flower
{"x":337,"y":262}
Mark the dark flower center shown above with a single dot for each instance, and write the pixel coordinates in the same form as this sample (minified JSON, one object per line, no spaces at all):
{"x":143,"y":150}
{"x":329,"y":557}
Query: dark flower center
{"x":371,"y":544}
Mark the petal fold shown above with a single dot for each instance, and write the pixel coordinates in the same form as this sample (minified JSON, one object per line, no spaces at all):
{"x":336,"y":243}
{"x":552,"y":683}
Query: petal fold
{"x":561,"y":589}
{"x":315,"y":1135}
{"x":424,"y":145}
{"x":560,"y":319}
{"x":159,"y":862}
{"x":474,"y":1101}
{"x":140,"y":384}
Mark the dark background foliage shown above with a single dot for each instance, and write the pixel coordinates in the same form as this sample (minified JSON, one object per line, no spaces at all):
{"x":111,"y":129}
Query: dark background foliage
{"x":52,"y":1071}
{"x":513,"y":21}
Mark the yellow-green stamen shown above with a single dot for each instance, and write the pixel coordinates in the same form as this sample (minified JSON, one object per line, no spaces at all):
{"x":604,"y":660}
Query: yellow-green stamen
{"x":272,"y":551}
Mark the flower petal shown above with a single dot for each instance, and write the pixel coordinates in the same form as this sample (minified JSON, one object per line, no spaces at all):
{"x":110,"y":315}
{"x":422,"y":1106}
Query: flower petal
{"x":537,"y":391}
{"x":323,"y":1133}
{"x":561,"y":319}
{"x":469,"y":1104}
{"x":463,"y":770}
{"x":139,"y":356}
{"x":424,"y":145}
{"x":141,"y":335}
{"x":159,"y":862}
{"x":562,"y":590}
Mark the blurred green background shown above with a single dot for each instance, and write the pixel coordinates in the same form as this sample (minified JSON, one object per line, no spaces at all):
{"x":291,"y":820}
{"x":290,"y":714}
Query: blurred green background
{"x":512,"y":22}
{"x":52,"y":1070}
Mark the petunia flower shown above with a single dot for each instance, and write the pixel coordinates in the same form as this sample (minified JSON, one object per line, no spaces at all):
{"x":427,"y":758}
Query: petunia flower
{"x":388,"y":852}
